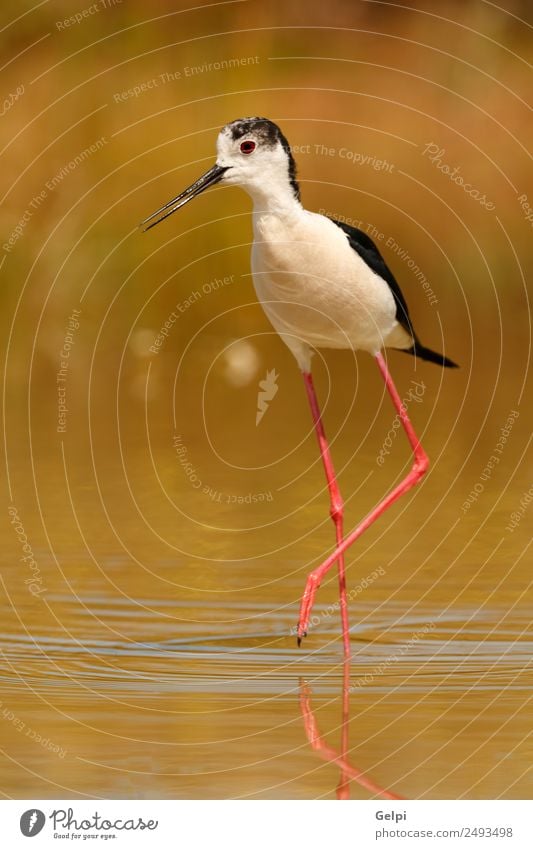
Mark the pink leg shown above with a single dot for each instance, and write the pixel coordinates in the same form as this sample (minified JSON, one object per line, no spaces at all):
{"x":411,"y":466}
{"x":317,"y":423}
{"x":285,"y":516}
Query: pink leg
{"x":343,"y":787}
{"x":334,"y":756}
{"x":336,"y":504}
{"x":420,"y":466}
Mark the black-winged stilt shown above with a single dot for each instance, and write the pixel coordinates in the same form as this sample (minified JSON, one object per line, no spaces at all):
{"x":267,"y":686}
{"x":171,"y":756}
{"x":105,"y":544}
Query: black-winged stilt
{"x":322,"y":284}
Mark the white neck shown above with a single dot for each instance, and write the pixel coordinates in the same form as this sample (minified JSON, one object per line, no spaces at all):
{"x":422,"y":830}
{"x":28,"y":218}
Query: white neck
{"x":273,"y":197}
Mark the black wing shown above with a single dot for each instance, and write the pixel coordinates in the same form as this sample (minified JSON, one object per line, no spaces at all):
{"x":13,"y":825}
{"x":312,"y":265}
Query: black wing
{"x":365,"y":247}
{"x":367,"y":250}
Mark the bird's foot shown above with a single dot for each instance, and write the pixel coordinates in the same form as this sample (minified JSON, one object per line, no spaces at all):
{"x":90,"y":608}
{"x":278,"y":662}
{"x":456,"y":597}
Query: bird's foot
{"x":306,"y":606}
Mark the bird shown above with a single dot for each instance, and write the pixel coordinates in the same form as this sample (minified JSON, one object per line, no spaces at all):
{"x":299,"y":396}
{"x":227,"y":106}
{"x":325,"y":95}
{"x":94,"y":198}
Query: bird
{"x":323,"y":284}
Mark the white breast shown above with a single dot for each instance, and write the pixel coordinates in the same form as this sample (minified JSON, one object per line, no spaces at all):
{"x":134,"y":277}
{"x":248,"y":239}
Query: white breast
{"x":315,"y":288}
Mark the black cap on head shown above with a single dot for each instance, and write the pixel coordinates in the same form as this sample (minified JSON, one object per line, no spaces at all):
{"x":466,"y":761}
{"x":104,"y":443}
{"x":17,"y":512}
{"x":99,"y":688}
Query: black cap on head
{"x":269,"y":134}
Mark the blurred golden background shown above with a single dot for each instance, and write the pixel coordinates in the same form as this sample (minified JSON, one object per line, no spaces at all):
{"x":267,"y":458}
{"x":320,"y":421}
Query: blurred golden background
{"x":148,"y":632}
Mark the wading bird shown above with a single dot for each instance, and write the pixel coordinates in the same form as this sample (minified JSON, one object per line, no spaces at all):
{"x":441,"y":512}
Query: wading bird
{"x":322,"y":284}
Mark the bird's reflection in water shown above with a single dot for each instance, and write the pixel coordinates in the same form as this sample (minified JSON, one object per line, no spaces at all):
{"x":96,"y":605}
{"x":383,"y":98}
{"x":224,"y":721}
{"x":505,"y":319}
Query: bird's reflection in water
{"x":348,"y":772}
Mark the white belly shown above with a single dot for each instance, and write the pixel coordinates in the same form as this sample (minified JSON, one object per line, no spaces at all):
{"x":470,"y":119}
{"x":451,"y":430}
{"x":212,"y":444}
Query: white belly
{"x":315,"y":288}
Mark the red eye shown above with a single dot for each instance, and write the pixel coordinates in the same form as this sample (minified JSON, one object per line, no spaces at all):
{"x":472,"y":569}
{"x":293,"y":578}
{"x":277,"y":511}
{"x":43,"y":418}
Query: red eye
{"x":247,"y":146}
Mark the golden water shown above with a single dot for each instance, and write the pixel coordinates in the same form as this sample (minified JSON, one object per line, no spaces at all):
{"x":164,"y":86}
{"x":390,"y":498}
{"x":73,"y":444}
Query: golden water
{"x":156,"y":656}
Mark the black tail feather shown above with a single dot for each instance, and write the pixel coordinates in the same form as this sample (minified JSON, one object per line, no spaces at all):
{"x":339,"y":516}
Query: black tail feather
{"x":424,"y":353}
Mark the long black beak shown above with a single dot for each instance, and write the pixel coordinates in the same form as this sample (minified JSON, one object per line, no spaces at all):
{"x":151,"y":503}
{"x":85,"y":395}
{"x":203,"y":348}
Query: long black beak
{"x":214,"y":175}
